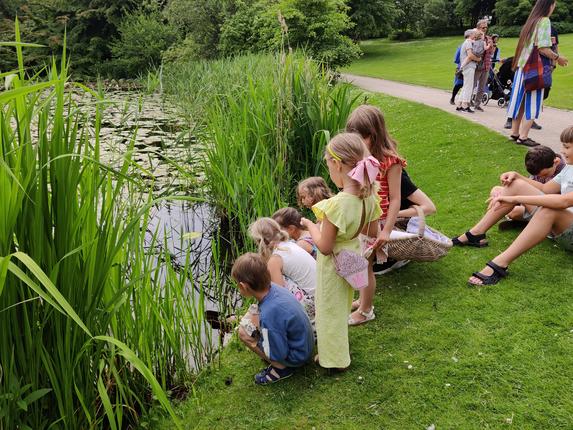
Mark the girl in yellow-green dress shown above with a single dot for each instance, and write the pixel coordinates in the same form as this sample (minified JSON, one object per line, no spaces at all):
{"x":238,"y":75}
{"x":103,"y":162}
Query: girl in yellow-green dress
{"x":354,"y":170}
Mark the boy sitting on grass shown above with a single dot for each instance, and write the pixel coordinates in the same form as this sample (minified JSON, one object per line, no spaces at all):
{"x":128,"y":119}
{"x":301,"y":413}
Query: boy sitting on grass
{"x":278,"y":329}
{"x":543,"y":165}
{"x":555,"y":214}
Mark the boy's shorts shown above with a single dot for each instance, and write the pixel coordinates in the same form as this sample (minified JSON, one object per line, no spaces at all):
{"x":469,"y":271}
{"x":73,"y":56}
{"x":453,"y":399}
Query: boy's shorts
{"x":565,"y":239}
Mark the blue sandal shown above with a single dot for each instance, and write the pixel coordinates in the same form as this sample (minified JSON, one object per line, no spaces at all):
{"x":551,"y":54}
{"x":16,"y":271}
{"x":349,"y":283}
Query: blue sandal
{"x":498,"y":274}
{"x":272,"y":374}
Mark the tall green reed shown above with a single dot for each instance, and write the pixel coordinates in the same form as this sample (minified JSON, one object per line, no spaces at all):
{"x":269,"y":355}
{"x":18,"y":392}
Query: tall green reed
{"x":265,"y":120}
{"x":96,"y":325}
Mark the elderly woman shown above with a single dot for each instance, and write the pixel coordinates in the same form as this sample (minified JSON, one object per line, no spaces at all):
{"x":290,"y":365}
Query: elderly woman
{"x":536,"y":31}
{"x":468,"y":62}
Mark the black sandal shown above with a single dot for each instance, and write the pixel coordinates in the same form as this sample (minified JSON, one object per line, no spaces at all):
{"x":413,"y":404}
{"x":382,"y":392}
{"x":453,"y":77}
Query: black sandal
{"x":527,"y":142}
{"x":476,"y":240}
{"x":498,"y":273}
{"x":514,"y":136}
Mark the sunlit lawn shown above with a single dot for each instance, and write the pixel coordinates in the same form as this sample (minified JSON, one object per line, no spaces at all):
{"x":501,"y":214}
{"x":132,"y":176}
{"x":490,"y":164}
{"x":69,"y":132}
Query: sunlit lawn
{"x":438,"y":352}
{"x":429,"y":62}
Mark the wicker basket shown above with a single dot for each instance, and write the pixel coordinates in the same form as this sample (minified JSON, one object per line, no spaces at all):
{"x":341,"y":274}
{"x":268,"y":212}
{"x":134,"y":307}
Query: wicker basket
{"x":419,"y":247}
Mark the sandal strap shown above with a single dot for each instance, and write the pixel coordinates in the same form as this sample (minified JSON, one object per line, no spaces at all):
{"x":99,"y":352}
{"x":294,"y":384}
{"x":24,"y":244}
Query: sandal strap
{"x":367,"y":314}
{"x":500,"y":271}
{"x":474,"y":237}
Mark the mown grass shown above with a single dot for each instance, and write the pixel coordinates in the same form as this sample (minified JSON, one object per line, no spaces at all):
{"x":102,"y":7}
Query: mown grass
{"x":429,"y":62}
{"x":495,"y":357}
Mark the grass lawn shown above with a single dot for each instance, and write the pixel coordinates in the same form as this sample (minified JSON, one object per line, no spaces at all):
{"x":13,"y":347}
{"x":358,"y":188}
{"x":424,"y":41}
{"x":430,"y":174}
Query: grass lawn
{"x":429,"y":62}
{"x":495,"y":357}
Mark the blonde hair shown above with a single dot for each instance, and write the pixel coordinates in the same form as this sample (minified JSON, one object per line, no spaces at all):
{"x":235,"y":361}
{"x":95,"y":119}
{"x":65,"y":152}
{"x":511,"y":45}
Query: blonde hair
{"x":351,"y":149}
{"x":315,"y":187}
{"x":567,"y":135}
{"x":267,"y":233}
{"x":368,"y":121}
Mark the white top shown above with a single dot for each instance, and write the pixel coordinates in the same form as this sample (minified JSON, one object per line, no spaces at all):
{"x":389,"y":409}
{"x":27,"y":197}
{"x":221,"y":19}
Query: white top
{"x":298,"y":265}
{"x":565,"y":179}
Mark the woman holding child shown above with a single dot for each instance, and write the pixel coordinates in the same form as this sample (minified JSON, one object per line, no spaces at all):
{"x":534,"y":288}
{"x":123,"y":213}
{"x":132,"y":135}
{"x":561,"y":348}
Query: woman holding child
{"x":535,"y":32}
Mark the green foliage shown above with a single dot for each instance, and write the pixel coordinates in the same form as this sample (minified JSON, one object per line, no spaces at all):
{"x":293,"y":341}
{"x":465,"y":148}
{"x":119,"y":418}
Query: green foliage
{"x":512,"y":13}
{"x":144,"y":36}
{"x":263,"y":132}
{"x":409,"y":22}
{"x":470,"y":11}
{"x":371,"y":18}
{"x":97,"y":324}
{"x":439,"y":16}
{"x":199,"y":21}
{"x":316,"y":26}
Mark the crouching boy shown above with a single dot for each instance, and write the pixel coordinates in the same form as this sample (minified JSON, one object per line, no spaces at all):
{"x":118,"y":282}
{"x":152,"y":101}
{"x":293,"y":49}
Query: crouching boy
{"x":278,"y":329}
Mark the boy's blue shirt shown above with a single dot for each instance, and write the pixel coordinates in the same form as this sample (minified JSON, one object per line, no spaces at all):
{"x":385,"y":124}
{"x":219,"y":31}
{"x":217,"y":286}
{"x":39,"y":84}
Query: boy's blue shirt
{"x":286,"y":332}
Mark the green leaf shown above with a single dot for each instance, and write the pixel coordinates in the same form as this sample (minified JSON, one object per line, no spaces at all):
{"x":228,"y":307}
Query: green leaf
{"x":22,"y":405}
{"x":35,"y":395}
{"x":130,"y":356}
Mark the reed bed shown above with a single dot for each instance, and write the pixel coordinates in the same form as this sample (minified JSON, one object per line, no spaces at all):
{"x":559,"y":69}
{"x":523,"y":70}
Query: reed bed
{"x":265,"y":120}
{"x":97,"y":325}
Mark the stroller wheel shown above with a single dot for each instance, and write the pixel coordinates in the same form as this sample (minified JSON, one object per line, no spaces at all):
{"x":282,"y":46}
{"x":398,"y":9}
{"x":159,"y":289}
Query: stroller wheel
{"x":484,"y":98}
{"x":501,"y":102}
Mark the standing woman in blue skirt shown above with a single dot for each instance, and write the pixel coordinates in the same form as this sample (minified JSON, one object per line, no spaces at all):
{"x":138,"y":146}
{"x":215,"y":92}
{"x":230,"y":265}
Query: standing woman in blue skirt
{"x":536,"y":31}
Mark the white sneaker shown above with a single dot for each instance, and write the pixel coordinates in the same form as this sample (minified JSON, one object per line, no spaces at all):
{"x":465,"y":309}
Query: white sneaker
{"x":388,"y":266}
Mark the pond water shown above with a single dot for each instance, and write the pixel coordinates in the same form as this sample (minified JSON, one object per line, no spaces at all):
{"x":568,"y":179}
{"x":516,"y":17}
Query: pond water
{"x":169,"y":162}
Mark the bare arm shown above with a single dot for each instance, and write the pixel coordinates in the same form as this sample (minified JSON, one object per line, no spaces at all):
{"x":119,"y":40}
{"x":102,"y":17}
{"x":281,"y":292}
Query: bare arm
{"x":275,"y":267}
{"x":472,"y":56}
{"x":551,"y":201}
{"x":325,"y":238}
{"x":419,"y":198}
{"x":560,"y":59}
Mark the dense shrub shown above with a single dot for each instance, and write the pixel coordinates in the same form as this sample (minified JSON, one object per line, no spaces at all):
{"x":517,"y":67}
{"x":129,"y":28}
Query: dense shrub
{"x":316,"y":26}
{"x":371,"y":18}
{"x":505,"y":31}
{"x":143,"y":38}
{"x":514,"y":30}
{"x":403,"y":35}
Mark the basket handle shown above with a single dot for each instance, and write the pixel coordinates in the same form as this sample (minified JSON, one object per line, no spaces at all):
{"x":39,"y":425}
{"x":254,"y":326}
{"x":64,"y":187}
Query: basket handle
{"x":422,"y":224}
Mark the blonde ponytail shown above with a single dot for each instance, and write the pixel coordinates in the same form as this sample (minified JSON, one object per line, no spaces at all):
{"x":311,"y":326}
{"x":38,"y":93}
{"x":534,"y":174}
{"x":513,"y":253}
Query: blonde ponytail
{"x":267,"y":234}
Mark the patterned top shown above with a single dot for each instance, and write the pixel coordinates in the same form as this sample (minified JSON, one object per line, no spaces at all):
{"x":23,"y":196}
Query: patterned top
{"x":382,"y":178}
{"x":541,"y":37}
{"x":486,"y":62}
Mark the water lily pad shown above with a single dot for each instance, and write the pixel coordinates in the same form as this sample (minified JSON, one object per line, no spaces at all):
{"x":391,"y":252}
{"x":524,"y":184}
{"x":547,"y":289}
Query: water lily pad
{"x":192,"y":235}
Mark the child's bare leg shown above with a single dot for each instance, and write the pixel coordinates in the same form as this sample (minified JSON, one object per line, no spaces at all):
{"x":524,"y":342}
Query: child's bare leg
{"x":366,"y":295}
{"x":517,"y":213}
{"x":543,"y":222}
{"x":518,"y":187}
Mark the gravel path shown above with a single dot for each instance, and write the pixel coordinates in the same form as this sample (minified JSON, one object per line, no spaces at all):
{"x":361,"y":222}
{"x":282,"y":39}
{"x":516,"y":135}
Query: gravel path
{"x":553,"y":120}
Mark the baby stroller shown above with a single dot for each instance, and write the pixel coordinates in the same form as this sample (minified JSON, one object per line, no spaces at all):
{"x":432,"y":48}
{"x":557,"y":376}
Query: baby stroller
{"x":500,"y":83}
